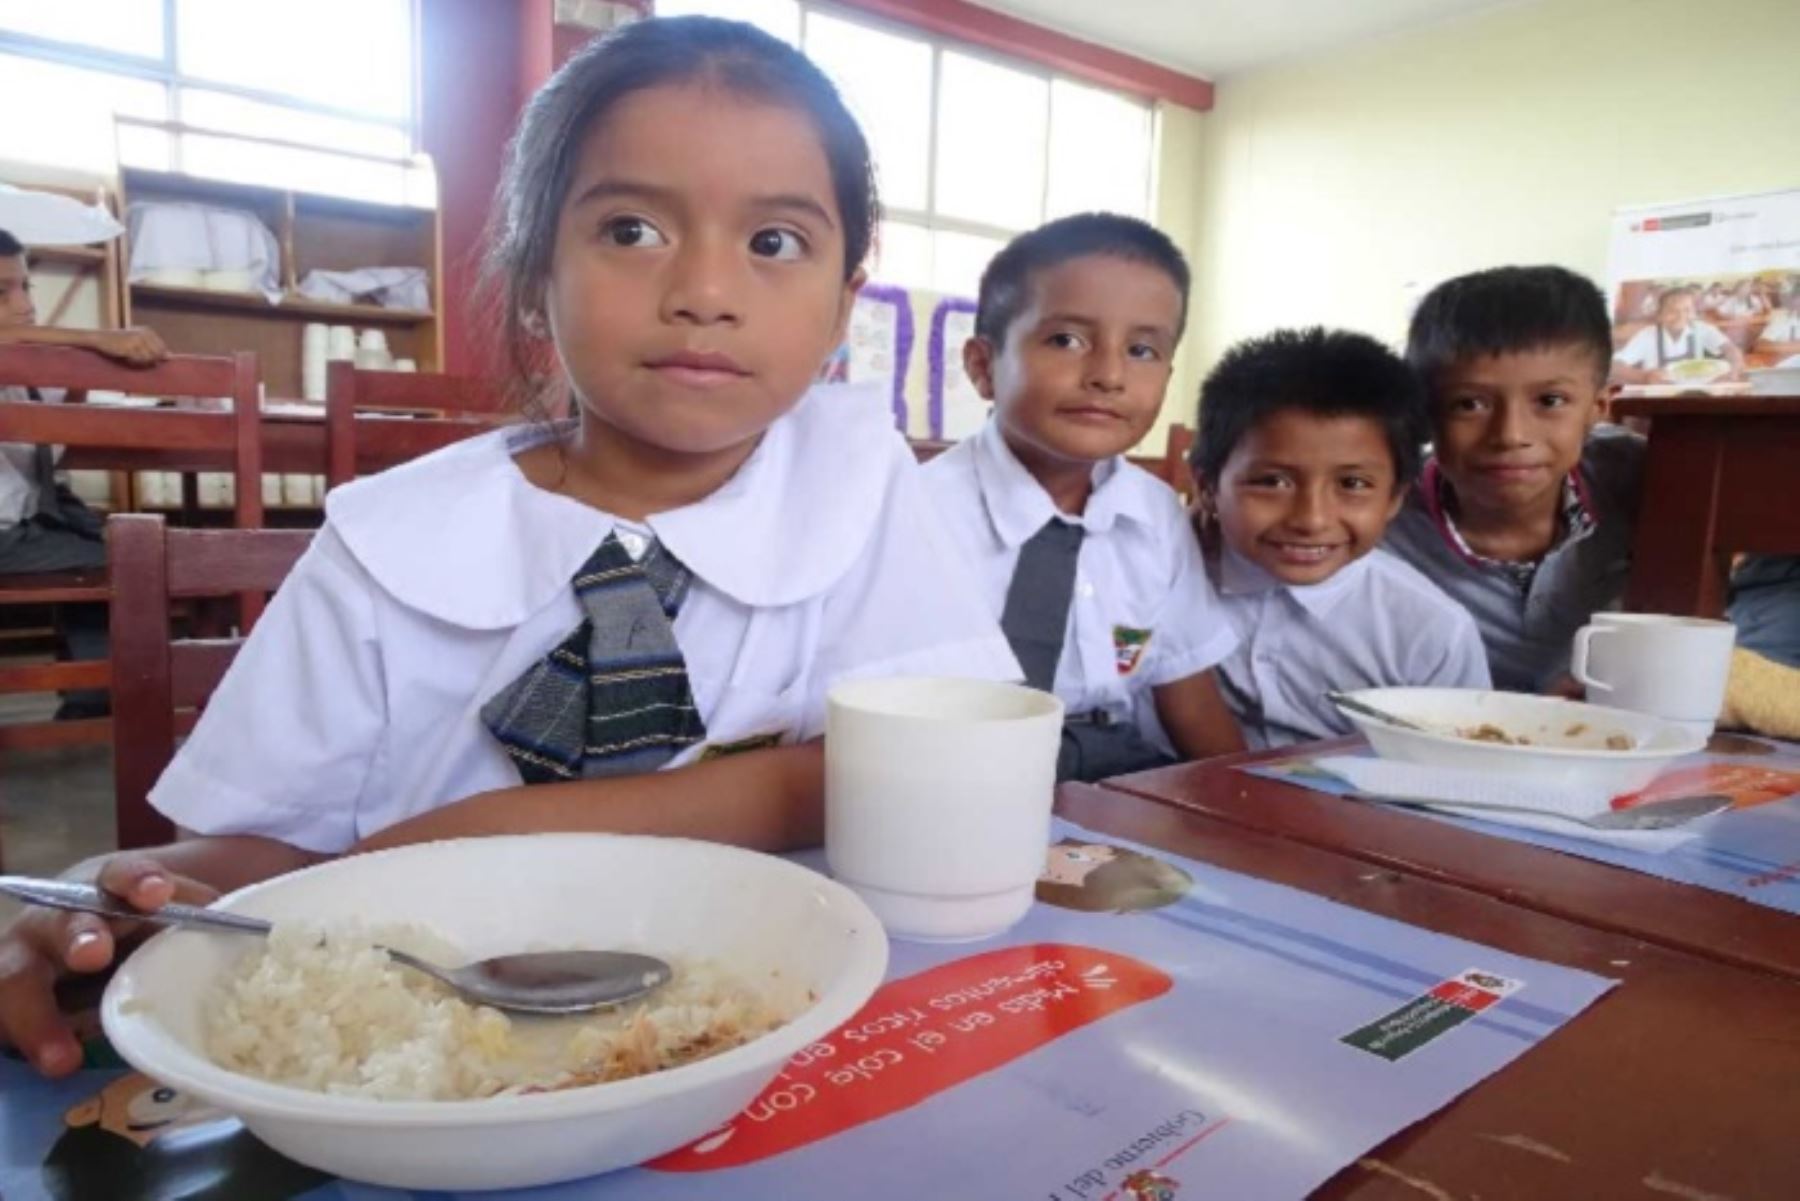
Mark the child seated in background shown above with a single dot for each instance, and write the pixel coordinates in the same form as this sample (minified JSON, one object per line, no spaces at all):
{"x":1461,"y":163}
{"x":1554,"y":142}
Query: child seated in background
{"x":44,"y":526}
{"x":1307,"y":443}
{"x":1087,"y":559}
{"x":1525,"y":511}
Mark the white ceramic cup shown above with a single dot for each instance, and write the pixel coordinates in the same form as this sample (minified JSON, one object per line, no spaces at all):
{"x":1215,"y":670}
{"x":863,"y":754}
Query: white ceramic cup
{"x":937,"y":800}
{"x":1671,"y":667}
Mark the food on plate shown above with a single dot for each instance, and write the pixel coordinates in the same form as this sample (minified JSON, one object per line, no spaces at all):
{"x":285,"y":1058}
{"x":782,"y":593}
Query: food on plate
{"x":1697,"y":370}
{"x":325,"y":1010}
{"x":1487,"y":731}
{"x":1577,"y":734}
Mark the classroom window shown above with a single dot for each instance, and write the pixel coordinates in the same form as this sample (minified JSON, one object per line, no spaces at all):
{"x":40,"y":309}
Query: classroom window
{"x":970,"y":148}
{"x":122,"y":26}
{"x":318,"y":96}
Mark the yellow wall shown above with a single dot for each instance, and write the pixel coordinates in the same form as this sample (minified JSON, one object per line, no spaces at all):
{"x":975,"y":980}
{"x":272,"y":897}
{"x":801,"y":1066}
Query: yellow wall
{"x":1180,"y":173}
{"x":1336,"y":188}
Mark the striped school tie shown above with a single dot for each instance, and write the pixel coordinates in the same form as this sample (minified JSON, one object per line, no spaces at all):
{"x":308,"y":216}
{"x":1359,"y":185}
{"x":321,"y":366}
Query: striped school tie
{"x":613,"y":698}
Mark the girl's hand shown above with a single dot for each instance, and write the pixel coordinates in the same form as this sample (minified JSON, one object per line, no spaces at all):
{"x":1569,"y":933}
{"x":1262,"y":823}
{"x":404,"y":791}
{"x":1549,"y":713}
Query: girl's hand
{"x":44,"y":946}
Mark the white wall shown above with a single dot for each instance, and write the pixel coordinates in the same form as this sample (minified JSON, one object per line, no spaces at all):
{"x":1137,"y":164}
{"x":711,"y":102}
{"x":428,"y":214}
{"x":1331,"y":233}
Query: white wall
{"x":1334,"y":189}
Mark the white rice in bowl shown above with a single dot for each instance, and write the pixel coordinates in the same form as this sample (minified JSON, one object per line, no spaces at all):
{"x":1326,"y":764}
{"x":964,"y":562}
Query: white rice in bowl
{"x":324,"y":1010}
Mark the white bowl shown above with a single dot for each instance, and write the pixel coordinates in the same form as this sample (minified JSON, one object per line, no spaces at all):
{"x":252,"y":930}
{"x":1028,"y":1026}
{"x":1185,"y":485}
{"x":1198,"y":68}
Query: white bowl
{"x":751,"y":914}
{"x":1554,"y":756}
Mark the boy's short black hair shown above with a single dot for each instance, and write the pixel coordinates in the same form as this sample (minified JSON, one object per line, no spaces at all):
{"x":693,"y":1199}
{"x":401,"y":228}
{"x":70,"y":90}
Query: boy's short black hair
{"x":1331,"y":373}
{"x":10,"y":247}
{"x":1506,"y":310}
{"x":1006,"y":283}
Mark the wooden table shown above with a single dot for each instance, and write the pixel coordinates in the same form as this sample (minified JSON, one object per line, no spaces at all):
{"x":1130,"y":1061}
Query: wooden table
{"x":1683,"y":1083}
{"x":1706,"y":924}
{"x":1722,"y":477}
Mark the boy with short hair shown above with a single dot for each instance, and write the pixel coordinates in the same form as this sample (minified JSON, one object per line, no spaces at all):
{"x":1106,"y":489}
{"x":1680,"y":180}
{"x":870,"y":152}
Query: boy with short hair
{"x":43,"y":525}
{"x":1086,"y":558}
{"x":1306,"y":443}
{"x":1525,"y":512}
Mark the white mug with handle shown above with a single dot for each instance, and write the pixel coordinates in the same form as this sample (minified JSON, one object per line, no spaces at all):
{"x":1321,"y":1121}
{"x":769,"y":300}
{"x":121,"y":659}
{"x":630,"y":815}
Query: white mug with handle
{"x":1671,"y":667}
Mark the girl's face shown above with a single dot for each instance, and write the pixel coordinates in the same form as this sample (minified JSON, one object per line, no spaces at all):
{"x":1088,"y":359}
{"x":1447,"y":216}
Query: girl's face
{"x":697,"y":282}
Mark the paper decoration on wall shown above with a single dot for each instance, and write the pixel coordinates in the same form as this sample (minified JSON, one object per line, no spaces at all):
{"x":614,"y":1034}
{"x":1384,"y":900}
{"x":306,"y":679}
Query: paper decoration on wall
{"x":878,"y":347}
{"x":956,"y":409}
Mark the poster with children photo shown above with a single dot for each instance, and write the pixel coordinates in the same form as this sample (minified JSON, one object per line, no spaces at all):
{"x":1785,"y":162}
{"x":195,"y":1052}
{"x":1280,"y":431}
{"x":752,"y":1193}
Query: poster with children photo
{"x":1706,"y":294}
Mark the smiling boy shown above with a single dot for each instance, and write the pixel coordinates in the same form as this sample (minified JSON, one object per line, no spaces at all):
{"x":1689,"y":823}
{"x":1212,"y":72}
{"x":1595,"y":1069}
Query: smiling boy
{"x":1307,"y":442}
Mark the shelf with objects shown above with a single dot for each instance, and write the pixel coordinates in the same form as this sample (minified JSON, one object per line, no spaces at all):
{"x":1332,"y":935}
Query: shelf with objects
{"x":218,"y":265}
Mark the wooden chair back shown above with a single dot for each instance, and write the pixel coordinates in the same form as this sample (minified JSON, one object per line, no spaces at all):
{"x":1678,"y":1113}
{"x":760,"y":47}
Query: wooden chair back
{"x":231,"y":439}
{"x":160,"y":683}
{"x":234,"y":437}
{"x":444,"y":409}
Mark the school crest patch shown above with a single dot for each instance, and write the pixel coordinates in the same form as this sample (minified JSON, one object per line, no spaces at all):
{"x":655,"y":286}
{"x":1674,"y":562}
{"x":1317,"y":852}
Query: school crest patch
{"x":1128,"y":648}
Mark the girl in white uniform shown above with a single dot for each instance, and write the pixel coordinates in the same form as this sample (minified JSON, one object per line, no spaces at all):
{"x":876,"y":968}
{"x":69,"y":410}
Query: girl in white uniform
{"x":515,"y":634}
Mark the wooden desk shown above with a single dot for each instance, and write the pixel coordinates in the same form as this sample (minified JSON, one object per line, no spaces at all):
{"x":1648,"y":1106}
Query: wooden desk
{"x":1706,"y":924}
{"x":1681,"y":1083}
{"x":1722,"y":477}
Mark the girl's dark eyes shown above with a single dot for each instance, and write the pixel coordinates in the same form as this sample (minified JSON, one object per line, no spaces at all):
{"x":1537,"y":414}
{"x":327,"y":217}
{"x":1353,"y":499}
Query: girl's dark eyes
{"x":1064,"y":340}
{"x":632,"y":231}
{"x":782,"y":244}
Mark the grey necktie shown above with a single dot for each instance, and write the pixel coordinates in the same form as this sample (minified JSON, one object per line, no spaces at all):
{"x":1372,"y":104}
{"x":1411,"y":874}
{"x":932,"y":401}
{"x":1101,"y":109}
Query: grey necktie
{"x":1037,"y":601}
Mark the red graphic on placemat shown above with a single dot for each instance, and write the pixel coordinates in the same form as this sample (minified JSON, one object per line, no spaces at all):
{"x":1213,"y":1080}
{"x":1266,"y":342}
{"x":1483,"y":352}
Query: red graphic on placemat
{"x":1746,"y":785}
{"x":921,"y":1036}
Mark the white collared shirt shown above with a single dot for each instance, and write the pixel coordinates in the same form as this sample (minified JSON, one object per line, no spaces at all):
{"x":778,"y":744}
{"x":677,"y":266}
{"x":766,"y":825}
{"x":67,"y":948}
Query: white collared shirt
{"x":1652,"y":346}
{"x":1783,"y":326}
{"x":1376,"y":623}
{"x":356,"y":702}
{"x":18,"y":480}
{"x":1143,"y":613}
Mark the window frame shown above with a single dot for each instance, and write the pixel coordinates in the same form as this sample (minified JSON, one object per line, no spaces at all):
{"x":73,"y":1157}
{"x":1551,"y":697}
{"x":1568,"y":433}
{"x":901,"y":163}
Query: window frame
{"x":928,"y":218}
{"x":166,"y":71}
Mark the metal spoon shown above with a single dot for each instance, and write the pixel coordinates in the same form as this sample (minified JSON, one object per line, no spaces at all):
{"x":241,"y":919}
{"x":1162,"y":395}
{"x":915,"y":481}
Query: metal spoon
{"x":1659,"y":815}
{"x":1344,"y":700}
{"x":537,"y":982}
